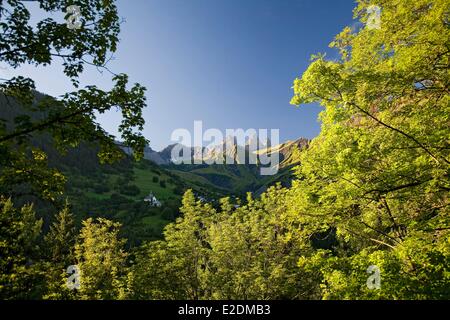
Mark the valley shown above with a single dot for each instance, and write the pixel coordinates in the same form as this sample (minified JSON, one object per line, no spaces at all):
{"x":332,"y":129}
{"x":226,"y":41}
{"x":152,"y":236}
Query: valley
{"x":117,"y":191}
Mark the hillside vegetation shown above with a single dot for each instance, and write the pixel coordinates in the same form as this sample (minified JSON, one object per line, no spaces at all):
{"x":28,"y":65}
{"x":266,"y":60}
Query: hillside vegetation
{"x":366,"y":216}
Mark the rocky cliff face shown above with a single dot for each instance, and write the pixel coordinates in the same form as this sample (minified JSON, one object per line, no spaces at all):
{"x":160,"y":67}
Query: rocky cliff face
{"x":157,"y":157}
{"x":229,"y":151}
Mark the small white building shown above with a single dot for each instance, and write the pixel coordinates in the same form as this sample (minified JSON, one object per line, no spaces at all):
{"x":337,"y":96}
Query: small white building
{"x":152,"y":200}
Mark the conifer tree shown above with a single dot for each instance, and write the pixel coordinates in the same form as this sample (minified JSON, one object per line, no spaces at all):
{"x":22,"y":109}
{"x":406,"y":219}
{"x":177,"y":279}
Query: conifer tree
{"x":20,"y":277}
{"x":60,"y":243}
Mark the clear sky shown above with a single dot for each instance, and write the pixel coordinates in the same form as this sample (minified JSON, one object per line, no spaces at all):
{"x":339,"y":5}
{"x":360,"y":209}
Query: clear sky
{"x":229,"y":63}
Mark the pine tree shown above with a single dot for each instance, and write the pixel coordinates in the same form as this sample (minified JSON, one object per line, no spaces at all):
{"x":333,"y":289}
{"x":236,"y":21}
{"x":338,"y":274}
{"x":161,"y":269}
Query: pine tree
{"x":19,"y":259}
{"x":61,"y":237}
{"x":60,"y":243}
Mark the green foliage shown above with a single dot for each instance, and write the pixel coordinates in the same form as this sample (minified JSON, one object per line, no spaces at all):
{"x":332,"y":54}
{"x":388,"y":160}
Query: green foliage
{"x":244,"y":253}
{"x":130,"y":190}
{"x":61,"y":237}
{"x":19,"y":232}
{"x":379,"y":171}
{"x":371,"y":190}
{"x":27,"y":173}
{"x":101,"y":259}
{"x":59,"y":241}
{"x":157,"y":273}
{"x":70,"y":119}
{"x":406,"y":272}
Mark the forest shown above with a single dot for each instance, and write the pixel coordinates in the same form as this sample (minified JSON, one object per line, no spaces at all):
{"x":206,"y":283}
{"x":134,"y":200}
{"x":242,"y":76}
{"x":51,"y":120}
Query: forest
{"x":370,"y":192}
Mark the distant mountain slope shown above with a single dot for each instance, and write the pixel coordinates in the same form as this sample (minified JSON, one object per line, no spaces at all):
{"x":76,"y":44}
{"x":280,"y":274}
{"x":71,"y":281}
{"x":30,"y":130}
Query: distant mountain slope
{"x":239,"y":178}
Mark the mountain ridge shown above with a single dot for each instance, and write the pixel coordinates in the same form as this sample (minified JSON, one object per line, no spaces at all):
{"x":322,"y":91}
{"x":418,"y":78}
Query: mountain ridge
{"x":234,"y":174}
{"x":220,"y":152}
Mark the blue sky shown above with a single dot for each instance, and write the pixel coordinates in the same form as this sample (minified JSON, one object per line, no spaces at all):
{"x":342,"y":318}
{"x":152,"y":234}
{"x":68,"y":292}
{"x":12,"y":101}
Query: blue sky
{"x":229,"y":63}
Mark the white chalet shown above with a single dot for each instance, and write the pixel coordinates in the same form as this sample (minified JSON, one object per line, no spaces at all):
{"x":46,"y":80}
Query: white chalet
{"x":151,"y":199}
